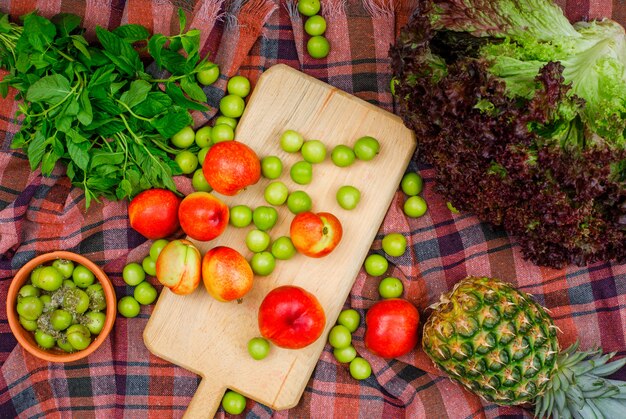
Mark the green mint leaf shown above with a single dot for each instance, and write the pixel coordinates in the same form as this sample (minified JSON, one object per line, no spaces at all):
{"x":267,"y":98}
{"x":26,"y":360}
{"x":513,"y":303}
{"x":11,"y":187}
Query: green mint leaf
{"x":155,"y":103}
{"x":191,"y":41}
{"x":155,"y":46}
{"x":65,"y":23}
{"x":36,"y":149}
{"x":79,"y":153}
{"x":75,"y":136}
{"x":179,"y":98}
{"x":5,"y":25}
{"x":51,"y":89}
{"x":63,"y":123}
{"x":190,"y":86}
{"x":80,"y":43}
{"x":120,"y":52}
{"x":85,"y":114}
{"x":173,"y":61}
{"x":38,"y":31}
{"x":124,"y":189}
{"x":104,"y":157}
{"x":106,"y":105}
{"x":48,"y":161}
{"x":132,"y":32}
{"x":182,"y":19}
{"x":103,"y":76}
{"x":137,"y":93}
{"x":172,"y":122}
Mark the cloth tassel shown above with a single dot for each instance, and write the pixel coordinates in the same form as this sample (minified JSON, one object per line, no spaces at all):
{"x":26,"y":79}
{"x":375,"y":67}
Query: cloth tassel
{"x":207,"y":13}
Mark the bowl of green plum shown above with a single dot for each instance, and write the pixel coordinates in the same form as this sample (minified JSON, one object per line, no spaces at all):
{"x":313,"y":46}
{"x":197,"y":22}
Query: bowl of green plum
{"x":61,"y":306}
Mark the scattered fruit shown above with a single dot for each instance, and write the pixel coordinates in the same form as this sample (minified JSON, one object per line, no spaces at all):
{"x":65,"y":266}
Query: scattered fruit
{"x":394,"y":244}
{"x":415,"y":206}
{"x":233,"y":403}
{"x":313,"y":151}
{"x":258,"y":348}
{"x":153,"y":213}
{"x":315,"y":235}
{"x":199,"y":182}
{"x":376,"y":265}
{"x":350,"y":318}
{"x":231,"y":166}
{"x":238,"y":86}
{"x":156,"y":247}
{"x":301,"y":172}
{"x":263,"y":263}
{"x":257,"y":240}
{"x":276,"y":193}
{"x":366,"y":148}
{"x":339,"y":337}
{"x":412,"y":184}
{"x":240,"y":216}
{"x":309,"y":7}
{"x":291,"y":141}
{"x":149,"y":265}
{"x":283,"y":248}
{"x":391,"y":328}
{"x":232,"y":106}
{"x":145,"y":293}
{"x":203,"y":137}
{"x":291,"y":317}
{"x":318,"y":46}
{"x":264,"y":217}
{"x":345,"y":355}
{"x":178,"y":267}
{"x":348,"y":197}
{"x":360,"y":369}
{"x":187,"y":161}
{"x":226,"y":274}
{"x":203,"y":216}
{"x":209,"y":75}
{"x":390,"y":288}
{"x":342,"y":156}
{"x":299,"y":201}
{"x":315,"y":25}
{"x":271,"y":167}
{"x":133,"y":274}
{"x":128,"y":307}
{"x":183,"y":138}
{"x":221,"y":133}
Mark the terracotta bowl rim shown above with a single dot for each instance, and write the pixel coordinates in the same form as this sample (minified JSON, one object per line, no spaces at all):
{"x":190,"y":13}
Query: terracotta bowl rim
{"x":26,"y":339}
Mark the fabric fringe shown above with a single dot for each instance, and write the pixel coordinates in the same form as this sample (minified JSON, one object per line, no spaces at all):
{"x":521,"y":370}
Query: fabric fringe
{"x":205,"y":15}
{"x":292,"y":9}
{"x":231,"y":16}
{"x":254,"y":14}
{"x":380,"y":8}
{"x":333,"y":8}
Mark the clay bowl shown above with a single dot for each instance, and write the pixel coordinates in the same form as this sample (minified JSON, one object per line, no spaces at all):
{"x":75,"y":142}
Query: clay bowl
{"x":26,"y":338}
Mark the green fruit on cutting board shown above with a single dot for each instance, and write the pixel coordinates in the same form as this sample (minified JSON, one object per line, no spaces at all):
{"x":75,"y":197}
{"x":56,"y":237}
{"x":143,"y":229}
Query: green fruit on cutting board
{"x":502,"y":345}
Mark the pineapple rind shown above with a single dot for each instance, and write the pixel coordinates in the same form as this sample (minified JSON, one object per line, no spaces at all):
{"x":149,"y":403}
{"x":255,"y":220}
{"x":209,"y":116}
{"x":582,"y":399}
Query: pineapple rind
{"x":493,"y":339}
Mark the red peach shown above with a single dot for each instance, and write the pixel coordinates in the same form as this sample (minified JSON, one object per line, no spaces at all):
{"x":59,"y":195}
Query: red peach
{"x":315,"y":235}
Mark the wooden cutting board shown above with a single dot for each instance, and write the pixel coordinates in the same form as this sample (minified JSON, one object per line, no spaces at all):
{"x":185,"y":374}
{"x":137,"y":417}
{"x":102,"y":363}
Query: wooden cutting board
{"x":210,"y":337}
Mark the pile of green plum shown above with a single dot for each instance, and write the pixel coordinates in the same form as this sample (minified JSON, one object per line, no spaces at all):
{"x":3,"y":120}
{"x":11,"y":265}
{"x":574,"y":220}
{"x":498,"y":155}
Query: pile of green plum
{"x":265,"y":217}
{"x":134,"y":275}
{"x":315,"y":26}
{"x":340,"y":338}
{"x":63,"y":305}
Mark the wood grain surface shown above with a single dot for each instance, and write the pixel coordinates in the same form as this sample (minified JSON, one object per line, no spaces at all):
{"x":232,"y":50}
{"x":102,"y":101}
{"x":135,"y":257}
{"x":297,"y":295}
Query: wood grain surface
{"x":210,"y":337}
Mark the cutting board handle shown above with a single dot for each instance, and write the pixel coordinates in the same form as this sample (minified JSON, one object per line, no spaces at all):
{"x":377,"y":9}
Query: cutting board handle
{"x":206,"y":400}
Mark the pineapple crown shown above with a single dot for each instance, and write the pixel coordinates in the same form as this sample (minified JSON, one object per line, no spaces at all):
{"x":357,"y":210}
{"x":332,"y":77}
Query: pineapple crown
{"x":577,"y":388}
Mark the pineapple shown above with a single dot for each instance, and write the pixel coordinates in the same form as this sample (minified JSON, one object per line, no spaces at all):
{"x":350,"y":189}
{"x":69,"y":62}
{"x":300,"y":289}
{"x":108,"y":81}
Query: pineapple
{"x":502,"y":345}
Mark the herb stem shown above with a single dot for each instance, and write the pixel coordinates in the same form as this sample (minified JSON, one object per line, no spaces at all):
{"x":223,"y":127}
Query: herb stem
{"x":131,"y":111}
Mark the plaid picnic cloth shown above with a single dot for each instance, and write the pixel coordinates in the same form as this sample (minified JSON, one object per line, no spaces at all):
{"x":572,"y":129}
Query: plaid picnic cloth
{"x":123,"y":379}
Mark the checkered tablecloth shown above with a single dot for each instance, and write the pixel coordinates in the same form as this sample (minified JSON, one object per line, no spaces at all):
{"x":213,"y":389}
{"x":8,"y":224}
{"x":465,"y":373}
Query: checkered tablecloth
{"x":122,"y":379}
